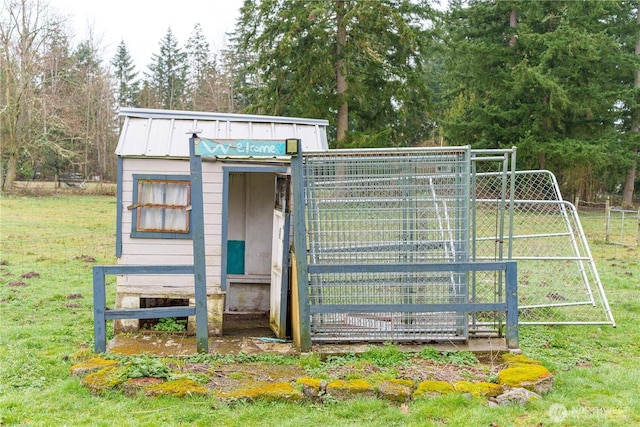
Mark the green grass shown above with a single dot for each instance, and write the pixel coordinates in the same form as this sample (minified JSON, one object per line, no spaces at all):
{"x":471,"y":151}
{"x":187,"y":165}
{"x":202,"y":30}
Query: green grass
{"x":46,"y":325}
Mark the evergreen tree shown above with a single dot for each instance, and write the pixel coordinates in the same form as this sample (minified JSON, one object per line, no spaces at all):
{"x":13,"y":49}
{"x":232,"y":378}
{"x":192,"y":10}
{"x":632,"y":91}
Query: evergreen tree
{"x":208,"y":88}
{"x":201,"y":66}
{"x":124,"y":73}
{"x":330,"y":59}
{"x":548,"y":82}
{"x":168,"y":74}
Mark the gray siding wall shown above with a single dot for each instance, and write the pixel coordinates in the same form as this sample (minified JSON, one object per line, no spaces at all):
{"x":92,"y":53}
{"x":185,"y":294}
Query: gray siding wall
{"x":171,"y":251}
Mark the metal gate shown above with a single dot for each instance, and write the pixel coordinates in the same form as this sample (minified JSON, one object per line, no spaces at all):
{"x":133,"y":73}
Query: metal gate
{"x":558,"y":282}
{"x":422,"y":213}
{"x":402,"y":209}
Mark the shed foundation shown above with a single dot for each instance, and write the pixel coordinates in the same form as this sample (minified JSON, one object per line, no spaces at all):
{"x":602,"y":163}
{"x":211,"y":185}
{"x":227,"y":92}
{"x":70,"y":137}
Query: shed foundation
{"x":215,"y":310}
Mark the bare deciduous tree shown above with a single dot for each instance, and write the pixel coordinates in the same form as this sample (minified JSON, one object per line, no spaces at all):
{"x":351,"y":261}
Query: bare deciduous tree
{"x":25,"y":27}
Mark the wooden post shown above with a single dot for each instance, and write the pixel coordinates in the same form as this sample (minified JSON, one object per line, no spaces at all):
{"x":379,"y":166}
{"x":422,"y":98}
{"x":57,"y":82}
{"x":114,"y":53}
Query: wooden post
{"x":300,"y":248}
{"x":199,"y":265}
{"x":607,"y":220}
{"x":511,"y":298}
{"x":638,"y":229}
{"x":99,"y":304}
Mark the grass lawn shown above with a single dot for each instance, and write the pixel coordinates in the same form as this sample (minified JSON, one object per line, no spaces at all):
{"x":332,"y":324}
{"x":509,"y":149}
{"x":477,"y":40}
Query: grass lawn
{"x":48,"y":248}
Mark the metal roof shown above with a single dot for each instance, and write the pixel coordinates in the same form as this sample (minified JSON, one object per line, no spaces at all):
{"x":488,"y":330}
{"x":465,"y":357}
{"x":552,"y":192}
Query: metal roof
{"x":165,"y":133}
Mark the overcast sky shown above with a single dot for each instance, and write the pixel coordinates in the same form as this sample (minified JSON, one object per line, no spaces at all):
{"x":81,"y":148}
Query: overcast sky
{"x":143,"y":23}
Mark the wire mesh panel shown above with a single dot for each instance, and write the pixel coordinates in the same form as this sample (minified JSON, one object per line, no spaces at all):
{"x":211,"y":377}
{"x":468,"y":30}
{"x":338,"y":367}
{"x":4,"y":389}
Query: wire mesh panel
{"x":374,"y":207}
{"x":623,"y":226}
{"x":439,"y":206}
{"x":557,"y":278}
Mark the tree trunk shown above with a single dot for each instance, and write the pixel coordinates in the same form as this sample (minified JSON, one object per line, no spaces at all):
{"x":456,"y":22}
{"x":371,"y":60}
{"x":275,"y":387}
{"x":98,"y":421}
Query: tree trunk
{"x":627,"y":194}
{"x":12,"y":163}
{"x":513,"y":23}
{"x":341,"y":79}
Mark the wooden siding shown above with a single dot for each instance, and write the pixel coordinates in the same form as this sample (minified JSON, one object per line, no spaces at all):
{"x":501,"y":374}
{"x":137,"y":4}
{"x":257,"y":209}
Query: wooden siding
{"x":253,"y":198}
{"x":148,"y":251}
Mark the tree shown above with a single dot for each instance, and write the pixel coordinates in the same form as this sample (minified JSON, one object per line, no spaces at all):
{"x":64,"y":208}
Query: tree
{"x":58,"y":100}
{"x":549,"y":82}
{"x":124,"y":73}
{"x":168,"y":74}
{"x":208,"y":89}
{"x":93,"y":106}
{"x":27,"y":32}
{"x":634,"y":106}
{"x":359,"y":64}
{"x":201,"y":67}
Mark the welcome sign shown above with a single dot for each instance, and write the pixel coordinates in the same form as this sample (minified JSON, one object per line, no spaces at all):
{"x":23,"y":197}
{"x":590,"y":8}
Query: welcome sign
{"x":240,"y":147}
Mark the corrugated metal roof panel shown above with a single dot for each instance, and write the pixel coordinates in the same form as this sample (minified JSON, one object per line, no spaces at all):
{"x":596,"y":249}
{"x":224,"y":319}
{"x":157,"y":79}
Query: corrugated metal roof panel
{"x":165,"y":133}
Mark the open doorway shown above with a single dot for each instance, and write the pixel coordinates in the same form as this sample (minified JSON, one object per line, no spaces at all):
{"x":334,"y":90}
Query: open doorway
{"x":252,"y":238}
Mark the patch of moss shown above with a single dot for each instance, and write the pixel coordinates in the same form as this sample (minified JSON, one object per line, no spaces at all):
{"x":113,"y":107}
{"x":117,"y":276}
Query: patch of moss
{"x":477,"y":389}
{"x":133,"y":386}
{"x":267,"y":391}
{"x":104,"y":379}
{"x":518,"y":359}
{"x":407,"y":383}
{"x":432,"y":388}
{"x":91,"y":365}
{"x":396,"y":390}
{"x":314,"y":383}
{"x":518,"y":375}
{"x":345,"y":389}
{"x":356,"y":385}
{"x":384,"y":375}
{"x":179,"y":388}
{"x":311,"y":388}
{"x":82,"y":355}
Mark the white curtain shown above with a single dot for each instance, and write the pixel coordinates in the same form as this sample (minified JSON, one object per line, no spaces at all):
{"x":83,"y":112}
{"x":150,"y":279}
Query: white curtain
{"x":176,"y":219}
{"x":168,"y":212}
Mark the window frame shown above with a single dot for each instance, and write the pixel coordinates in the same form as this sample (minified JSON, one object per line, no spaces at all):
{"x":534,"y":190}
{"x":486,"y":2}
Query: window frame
{"x":135,"y":212}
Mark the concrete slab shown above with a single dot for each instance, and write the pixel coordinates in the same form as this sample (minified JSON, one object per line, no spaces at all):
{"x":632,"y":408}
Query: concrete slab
{"x":250,"y":334}
{"x":182,"y":345}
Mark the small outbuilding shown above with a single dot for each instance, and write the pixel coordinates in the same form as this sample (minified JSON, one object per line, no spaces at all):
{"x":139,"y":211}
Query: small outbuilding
{"x":245,"y":197}
{"x":390,"y":245}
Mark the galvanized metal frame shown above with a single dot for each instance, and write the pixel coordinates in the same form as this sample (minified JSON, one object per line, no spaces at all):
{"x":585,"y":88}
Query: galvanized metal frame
{"x":632,"y":238}
{"x":303,"y":194}
{"x":504,"y":160}
{"x":555,"y":261}
{"x":509,"y":305}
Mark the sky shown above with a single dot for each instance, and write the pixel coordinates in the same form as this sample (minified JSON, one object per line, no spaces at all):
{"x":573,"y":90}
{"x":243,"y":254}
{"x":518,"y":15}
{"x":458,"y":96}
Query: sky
{"x":143,"y":23}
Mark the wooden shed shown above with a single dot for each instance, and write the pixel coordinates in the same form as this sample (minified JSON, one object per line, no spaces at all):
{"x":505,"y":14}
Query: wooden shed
{"x":245,"y":206}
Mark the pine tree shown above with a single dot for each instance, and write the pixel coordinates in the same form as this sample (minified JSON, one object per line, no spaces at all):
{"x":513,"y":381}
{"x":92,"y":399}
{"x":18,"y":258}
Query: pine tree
{"x":201,"y":66}
{"x":208,"y":87}
{"x":359,"y":64}
{"x":549,"y":82}
{"x":168,"y":73}
{"x":124,"y":73}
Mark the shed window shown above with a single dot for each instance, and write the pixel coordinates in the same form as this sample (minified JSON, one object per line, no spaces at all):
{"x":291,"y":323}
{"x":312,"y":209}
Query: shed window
{"x":161,"y":207}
